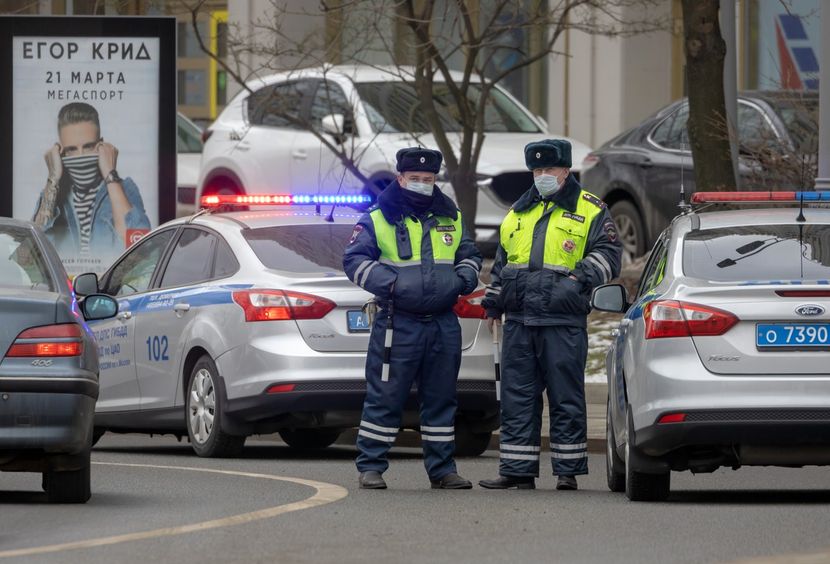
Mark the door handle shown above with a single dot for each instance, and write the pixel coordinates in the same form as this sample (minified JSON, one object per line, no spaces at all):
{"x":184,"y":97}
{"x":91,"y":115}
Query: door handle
{"x":181,"y":308}
{"x":299,"y":155}
{"x":125,"y":315}
{"x":646,"y":163}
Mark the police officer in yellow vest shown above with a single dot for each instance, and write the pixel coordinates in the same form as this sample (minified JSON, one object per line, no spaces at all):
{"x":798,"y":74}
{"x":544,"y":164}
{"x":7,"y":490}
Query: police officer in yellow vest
{"x":413,"y":253}
{"x":557,"y":243}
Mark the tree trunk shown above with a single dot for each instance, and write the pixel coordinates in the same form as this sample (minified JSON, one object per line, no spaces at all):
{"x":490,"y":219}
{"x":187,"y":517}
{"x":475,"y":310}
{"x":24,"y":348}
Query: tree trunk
{"x":707,"y":125}
{"x":466,"y":194}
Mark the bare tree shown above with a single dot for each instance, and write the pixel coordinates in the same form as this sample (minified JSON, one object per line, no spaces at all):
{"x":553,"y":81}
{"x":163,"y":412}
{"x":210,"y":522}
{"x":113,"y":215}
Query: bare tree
{"x":432,"y":46}
{"x":705,"y":52}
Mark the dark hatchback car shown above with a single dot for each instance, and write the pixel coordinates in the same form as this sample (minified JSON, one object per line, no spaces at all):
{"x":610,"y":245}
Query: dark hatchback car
{"x":48,"y":365}
{"x":638,"y":173}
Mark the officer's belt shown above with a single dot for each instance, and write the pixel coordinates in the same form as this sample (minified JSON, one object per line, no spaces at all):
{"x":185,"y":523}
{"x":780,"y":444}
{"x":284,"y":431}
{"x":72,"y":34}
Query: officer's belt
{"x":422,"y":317}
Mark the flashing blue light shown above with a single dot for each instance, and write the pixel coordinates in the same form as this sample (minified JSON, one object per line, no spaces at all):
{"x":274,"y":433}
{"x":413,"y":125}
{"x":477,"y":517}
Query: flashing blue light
{"x":821,"y":195}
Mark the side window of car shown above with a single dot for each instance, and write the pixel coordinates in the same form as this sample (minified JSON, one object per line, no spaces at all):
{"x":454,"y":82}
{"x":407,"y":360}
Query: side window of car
{"x":330,"y":99}
{"x":280,"y":105}
{"x":754,"y":130}
{"x":226,"y":263}
{"x":672,"y":132}
{"x":135,"y":271}
{"x":191,"y":260}
{"x":653,"y":267}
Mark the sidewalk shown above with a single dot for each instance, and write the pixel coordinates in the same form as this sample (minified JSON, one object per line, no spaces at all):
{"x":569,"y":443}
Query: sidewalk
{"x":595,"y":397}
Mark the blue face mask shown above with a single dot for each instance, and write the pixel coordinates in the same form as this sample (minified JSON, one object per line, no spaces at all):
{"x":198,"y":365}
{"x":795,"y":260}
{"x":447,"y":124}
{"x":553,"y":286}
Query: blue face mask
{"x":547,"y":184}
{"x":419,"y":187}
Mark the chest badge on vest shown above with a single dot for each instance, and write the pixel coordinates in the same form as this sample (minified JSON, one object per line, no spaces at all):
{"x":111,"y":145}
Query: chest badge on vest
{"x":568,"y":245}
{"x":447,"y":238}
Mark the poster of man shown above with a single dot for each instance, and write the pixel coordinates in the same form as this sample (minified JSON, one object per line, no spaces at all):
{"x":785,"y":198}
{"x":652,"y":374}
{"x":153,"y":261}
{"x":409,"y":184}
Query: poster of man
{"x":85,"y":165}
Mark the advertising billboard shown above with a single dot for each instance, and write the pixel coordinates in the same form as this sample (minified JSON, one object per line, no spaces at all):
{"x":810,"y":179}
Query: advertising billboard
{"x":90,"y":108}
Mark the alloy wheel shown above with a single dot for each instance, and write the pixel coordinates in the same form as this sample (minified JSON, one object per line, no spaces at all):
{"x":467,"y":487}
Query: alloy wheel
{"x":202,"y":406}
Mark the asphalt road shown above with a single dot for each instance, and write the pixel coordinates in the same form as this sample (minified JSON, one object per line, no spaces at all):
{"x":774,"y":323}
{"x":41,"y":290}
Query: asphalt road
{"x":153,"y":502}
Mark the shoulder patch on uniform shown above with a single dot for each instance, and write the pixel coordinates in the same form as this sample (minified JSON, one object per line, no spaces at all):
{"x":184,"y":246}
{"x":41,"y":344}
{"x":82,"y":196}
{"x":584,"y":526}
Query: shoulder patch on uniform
{"x":357,"y":230}
{"x":610,"y":230}
{"x":575,"y":217}
{"x":444,"y":228}
{"x":593,"y":199}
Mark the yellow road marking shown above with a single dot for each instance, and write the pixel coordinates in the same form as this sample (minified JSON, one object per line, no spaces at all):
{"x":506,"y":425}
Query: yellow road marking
{"x":326,"y":493}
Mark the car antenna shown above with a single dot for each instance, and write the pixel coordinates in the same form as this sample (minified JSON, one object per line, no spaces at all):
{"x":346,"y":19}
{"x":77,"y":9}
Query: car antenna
{"x":684,"y":207}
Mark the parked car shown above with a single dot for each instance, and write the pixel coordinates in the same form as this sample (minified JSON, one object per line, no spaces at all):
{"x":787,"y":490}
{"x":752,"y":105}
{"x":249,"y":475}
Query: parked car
{"x":721,"y":358}
{"x":241,"y":323}
{"x":188,"y":158}
{"x":48,"y":367}
{"x":262,"y":142}
{"x":638,"y":173}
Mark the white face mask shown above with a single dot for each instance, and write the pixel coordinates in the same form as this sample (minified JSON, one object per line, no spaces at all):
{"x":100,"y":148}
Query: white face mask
{"x":419,"y":187}
{"x":547,"y":184}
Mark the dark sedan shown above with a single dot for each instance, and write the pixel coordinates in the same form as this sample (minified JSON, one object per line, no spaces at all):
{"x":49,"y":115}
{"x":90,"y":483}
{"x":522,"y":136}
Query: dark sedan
{"x":638,"y":173}
{"x":48,"y":366}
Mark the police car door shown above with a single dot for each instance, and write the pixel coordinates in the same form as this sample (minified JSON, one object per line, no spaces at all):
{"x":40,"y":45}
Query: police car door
{"x":127,"y":281}
{"x":170,"y":314}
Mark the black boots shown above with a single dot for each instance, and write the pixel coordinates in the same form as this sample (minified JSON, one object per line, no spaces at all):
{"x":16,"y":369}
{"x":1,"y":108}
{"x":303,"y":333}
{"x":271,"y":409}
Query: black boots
{"x":452,"y":482}
{"x":508,"y":482}
{"x":566,"y":483}
{"x":371,"y":480}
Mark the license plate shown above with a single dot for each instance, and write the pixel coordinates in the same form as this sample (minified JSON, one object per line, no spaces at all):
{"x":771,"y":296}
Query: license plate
{"x":793,"y":336}
{"x":358,"y":322}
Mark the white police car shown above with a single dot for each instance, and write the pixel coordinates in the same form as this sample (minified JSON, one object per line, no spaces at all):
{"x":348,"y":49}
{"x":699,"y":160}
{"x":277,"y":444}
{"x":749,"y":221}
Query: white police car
{"x":243,"y":322}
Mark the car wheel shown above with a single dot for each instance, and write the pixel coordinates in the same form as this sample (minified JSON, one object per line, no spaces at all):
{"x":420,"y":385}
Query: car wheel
{"x":614,"y":465}
{"x":469,"y":442}
{"x":310,"y":439}
{"x":69,"y":486}
{"x":204,"y":414}
{"x":630,"y":229}
{"x":642,"y":486}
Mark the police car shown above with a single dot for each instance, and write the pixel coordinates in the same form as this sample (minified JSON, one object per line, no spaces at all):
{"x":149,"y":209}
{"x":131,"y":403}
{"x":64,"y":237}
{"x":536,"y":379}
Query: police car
{"x":236,"y":323}
{"x":722,"y":358}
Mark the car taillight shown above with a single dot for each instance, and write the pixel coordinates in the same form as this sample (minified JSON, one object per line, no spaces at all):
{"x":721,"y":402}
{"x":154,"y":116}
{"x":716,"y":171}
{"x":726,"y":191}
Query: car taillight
{"x":469,"y":307}
{"x":672,"y":418}
{"x":48,"y":340}
{"x":206,"y":133}
{"x":671,"y":318}
{"x":277,"y":305}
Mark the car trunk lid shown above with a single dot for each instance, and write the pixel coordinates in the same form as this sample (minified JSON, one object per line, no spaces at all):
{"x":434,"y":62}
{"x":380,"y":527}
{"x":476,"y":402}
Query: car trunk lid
{"x":757,"y":304}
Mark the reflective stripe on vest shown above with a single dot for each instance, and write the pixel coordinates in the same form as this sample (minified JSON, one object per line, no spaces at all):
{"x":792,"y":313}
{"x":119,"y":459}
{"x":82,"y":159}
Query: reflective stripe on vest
{"x":565,"y":239}
{"x":444,"y":237}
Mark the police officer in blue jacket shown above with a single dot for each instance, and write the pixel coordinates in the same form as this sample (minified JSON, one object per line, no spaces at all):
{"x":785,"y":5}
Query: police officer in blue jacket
{"x":556,"y":244}
{"x":413,"y":253}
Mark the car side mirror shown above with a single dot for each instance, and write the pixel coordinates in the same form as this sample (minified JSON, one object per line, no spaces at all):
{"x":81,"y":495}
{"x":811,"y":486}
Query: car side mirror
{"x":99,"y":306}
{"x":85,"y":284}
{"x":610,"y":297}
{"x":334,"y":124}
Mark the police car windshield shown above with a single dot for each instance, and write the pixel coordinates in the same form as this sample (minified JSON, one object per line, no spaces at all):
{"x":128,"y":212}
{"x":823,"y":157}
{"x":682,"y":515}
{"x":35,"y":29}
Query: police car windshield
{"x":306,"y":249}
{"x":393,"y":107}
{"x":763,"y":253}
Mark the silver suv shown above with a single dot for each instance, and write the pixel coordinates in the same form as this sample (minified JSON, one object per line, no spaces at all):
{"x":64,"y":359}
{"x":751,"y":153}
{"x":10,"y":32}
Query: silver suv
{"x":722,"y":358}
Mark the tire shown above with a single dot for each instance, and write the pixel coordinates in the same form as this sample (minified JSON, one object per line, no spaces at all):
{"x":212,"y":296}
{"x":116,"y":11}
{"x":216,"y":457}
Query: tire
{"x":641,"y":486}
{"x":97,"y":433}
{"x":614,"y":465}
{"x":203,"y":413}
{"x":630,"y":229}
{"x":310,"y":439}
{"x":469,"y":442}
{"x":69,"y":486}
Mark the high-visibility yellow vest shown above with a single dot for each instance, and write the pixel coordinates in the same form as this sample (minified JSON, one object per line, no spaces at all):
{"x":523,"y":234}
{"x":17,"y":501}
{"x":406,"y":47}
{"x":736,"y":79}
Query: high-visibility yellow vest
{"x":565,"y":239}
{"x":445,"y":238}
